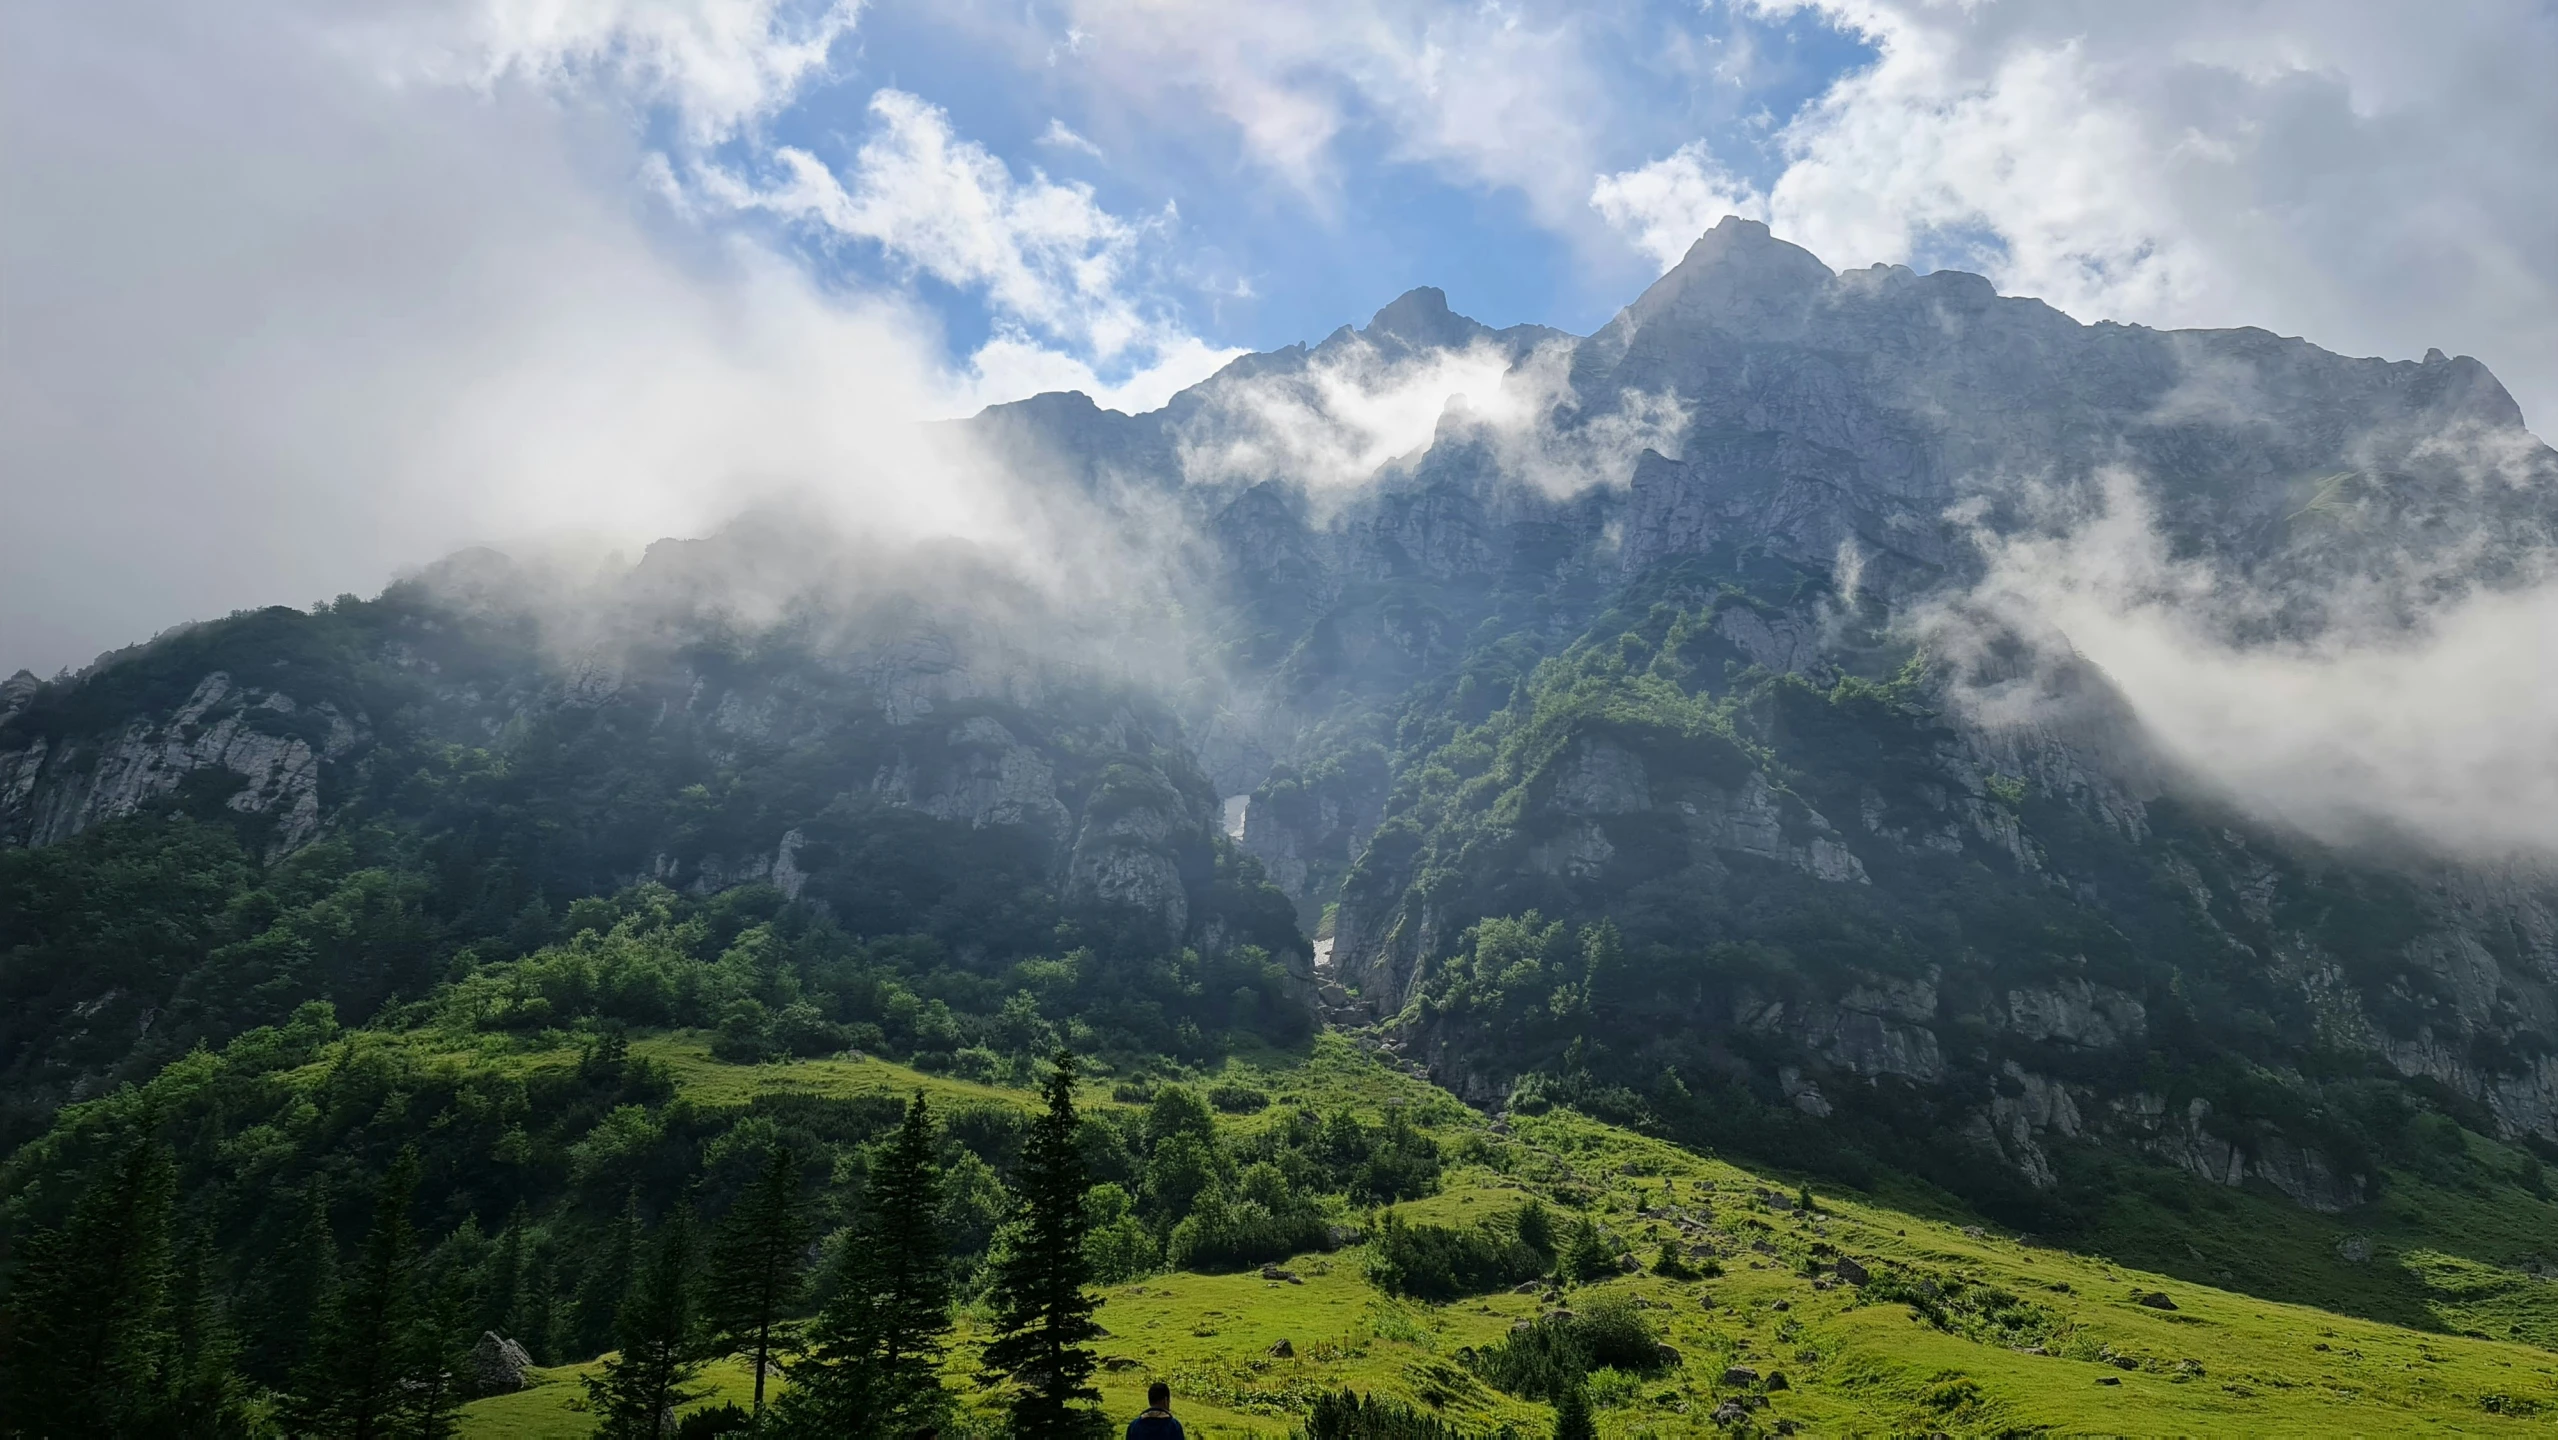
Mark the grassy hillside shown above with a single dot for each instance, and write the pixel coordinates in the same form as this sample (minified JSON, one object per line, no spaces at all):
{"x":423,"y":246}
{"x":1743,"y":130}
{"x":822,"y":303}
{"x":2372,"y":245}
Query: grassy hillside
{"x":1957,"y":1329}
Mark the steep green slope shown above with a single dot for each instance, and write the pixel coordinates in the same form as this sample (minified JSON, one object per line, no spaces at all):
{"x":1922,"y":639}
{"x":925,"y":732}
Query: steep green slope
{"x":2029,"y":1339}
{"x":1954,"y":1328}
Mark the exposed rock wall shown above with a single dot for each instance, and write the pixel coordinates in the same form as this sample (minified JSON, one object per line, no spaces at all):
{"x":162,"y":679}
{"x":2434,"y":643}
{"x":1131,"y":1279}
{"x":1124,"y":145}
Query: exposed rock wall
{"x":264,"y":751}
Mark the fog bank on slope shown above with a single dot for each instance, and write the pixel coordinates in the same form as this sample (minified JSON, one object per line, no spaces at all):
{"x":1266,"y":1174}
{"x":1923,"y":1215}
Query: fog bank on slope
{"x":2443,"y":731}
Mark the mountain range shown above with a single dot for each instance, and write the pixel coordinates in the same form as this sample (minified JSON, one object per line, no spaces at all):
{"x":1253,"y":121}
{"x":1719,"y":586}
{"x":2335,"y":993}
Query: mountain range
{"x":1624,"y":732}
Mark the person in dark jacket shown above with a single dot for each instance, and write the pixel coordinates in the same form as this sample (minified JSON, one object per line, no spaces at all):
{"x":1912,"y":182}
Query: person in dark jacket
{"x":1156,"y":1423}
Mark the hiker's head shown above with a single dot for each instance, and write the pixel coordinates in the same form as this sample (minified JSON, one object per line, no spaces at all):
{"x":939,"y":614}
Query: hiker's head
{"x":1159,"y":1395}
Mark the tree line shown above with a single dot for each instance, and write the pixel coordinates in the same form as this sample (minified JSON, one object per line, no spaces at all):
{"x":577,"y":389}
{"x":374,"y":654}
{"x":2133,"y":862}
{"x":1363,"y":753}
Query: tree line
{"x":111,"y":1328}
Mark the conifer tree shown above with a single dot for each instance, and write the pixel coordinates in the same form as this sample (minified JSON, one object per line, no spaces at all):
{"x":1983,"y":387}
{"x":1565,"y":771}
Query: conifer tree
{"x":756,"y":1271}
{"x":639,"y":1391}
{"x":1043,"y":1312}
{"x":301,"y":1286}
{"x":1572,"y":1413}
{"x":875,"y":1352}
{"x":502,"y":1288}
{"x":376,"y":1367}
{"x":89,"y":1324}
{"x":910,"y":1258}
{"x":610,"y":1268}
{"x":201,"y":1390}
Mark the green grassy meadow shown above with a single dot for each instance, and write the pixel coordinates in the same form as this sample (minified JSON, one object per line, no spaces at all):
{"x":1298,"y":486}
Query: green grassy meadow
{"x":2300,"y":1341}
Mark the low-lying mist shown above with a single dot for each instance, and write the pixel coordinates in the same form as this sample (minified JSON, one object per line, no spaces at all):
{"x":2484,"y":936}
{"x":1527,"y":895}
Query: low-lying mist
{"x":2439,"y":729}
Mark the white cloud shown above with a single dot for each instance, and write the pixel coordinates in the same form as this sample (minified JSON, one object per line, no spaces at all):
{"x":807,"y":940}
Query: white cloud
{"x":720,"y":64}
{"x":2369,"y":175}
{"x":1356,"y":408}
{"x":1523,"y":95}
{"x":1051,"y":261}
{"x":303,"y":323}
{"x":1662,"y":207}
{"x":1059,"y":136}
{"x":2446,"y":733}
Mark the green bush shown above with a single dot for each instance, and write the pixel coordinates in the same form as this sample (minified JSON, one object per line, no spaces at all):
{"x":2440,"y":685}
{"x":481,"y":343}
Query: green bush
{"x":1238,"y":1099}
{"x":1441,"y":1262}
{"x":1552,"y":1357}
{"x":1350,"y":1416}
{"x":1258,"y":1220}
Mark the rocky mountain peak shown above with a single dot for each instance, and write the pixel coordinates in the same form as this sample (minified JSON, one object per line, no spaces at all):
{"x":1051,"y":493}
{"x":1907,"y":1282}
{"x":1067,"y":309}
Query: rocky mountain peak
{"x":1737,"y":276}
{"x":1420,"y":318}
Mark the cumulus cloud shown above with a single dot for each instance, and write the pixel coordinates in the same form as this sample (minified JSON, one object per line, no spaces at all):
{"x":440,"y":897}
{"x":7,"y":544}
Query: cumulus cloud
{"x":719,"y":65}
{"x":1526,"y":96}
{"x":2368,"y":175}
{"x":1663,"y":206}
{"x":304,"y":322}
{"x":2443,"y":732}
{"x":1049,"y":258}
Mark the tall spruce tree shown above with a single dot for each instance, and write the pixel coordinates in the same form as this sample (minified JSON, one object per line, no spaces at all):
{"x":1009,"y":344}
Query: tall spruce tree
{"x":612,"y":1264}
{"x":874,"y":1353}
{"x":640,"y":1389}
{"x":757,"y":1269}
{"x":202,"y":1390}
{"x":502,"y":1286}
{"x":1043,"y":1312}
{"x":377,"y":1365}
{"x":910,"y":1267}
{"x":300,"y":1284}
{"x":1572,"y":1413}
{"x":89,"y":1325}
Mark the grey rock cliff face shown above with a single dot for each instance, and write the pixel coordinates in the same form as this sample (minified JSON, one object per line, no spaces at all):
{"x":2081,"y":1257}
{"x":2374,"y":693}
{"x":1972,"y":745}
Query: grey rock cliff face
{"x":915,"y":710}
{"x":261,"y":748}
{"x":1858,"y":427}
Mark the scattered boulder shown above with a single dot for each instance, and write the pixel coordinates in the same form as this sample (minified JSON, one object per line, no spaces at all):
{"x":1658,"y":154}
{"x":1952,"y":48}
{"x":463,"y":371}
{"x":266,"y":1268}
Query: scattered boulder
{"x":1777,"y":1381}
{"x":2354,"y":1249}
{"x":1283,"y":1351}
{"x":497,"y":1365}
{"x":1730,"y":1412}
{"x":1851,"y":1272}
{"x":1273,"y":1272}
{"x":1118,"y":1362}
{"x":2154,"y":1299}
{"x":1740,"y":1375}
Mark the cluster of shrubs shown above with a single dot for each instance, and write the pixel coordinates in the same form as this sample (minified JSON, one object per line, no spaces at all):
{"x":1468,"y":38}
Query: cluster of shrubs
{"x":1555,"y":1356}
{"x":1963,"y":1307}
{"x":772,"y":980}
{"x":1350,"y":1416}
{"x":1443,"y":1262}
{"x":1192,"y":1198}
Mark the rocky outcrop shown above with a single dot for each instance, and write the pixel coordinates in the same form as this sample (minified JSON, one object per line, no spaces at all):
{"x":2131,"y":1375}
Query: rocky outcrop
{"x":260,"y":751}
{"x":2070,"y":1011}
{"x":2188,"y":1138}
{"x":1881,"y":1026}
{"x":497,"y":1365}
{"x":981,"y":774}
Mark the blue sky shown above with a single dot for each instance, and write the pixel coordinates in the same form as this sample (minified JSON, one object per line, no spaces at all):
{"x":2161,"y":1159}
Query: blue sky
{"x":306,"y":293}
{"x":1243,"y":248}
{"x":1257,"y":261}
